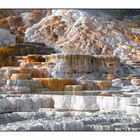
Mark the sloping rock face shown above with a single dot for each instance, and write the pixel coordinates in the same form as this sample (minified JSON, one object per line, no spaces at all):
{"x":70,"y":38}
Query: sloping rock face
{"x":32,"y":17}
{"x":74,"y":31}
{"x":18,"y":20}
{"x":11,"y":12}
{"x":71,"y":31}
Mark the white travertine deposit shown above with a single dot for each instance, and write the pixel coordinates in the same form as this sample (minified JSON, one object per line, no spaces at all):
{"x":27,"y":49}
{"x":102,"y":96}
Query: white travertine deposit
{"x":65,"y":69}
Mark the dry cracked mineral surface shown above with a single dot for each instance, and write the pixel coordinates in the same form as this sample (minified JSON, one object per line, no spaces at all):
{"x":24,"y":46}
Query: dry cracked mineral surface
{"x":69,"y":70}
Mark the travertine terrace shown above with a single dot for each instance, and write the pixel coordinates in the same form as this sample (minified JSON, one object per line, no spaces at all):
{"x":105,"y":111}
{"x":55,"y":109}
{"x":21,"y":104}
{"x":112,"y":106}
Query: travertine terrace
{"x":76,"y":65}
{"x":71,"y":65}
{"x":55,"y":71}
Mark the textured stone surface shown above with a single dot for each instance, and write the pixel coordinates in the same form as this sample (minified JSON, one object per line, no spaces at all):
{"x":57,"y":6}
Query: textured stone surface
{"x":89,"y":86}
{"x":68,"y":88}
{"x":82,"y":103}
{"x":133,"y":109}
{"x":62,"y":82}
{"x":53,"y":120}
{"x":57,"y":84}
{"x":26,"y":65}
{"x":23,"y":104}
{"x":20,"y":76}
{"x":29,"y":83}
{"x":96,"y":68}
{"x":28,"y":68}
{"x":75,"y":65}
{"x":23,"y":70}
{"x":38,"y":73}
{"x":103,"y":85}
{"x":35,"y":58}
{"x":42,"y":81}
{"x":78,"y":32}
{"x":74,"y":102}
{"x":73,"y":88}
{"x":77,"y":87}
{"x":6,"y":38}
{"x":116,"y":83}
{"x":6,"y":72}
{"x":22,"y":89}
{"x":135,"y":82}
{"x":7,"y":57}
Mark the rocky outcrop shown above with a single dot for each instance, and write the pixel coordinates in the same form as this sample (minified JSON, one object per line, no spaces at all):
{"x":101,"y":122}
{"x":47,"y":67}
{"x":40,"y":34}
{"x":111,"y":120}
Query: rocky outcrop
{"x":66,"y":29}
{"x":74,"y":31}
{"x":33,"y":16}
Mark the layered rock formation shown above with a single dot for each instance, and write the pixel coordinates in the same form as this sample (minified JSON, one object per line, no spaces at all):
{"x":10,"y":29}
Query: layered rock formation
{"x":37,"y":72}
{"x":74,"y":66}
{"x":96,"y":67}
{"x":29,"y":17}
{"x":17,"y":21}
{"x":59,"y":72}
{"x":9,"y":52}
{"x":81,"y":103}
{"x":74,"y":31}
{"x":66,"y":29}
{"x":24,"y":104}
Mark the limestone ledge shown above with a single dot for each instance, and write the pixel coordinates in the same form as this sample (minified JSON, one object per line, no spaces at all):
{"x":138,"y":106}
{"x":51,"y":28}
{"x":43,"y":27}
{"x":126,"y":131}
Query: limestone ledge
{"x":25,"y":104}
{"x":76,"y":65}
{"x":30,"y":102}
{"x":92,"y":103}
{"x":30,"y":83}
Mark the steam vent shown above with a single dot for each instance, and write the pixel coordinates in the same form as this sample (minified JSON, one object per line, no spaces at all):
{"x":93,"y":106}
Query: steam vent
{"x":69,"y":70}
